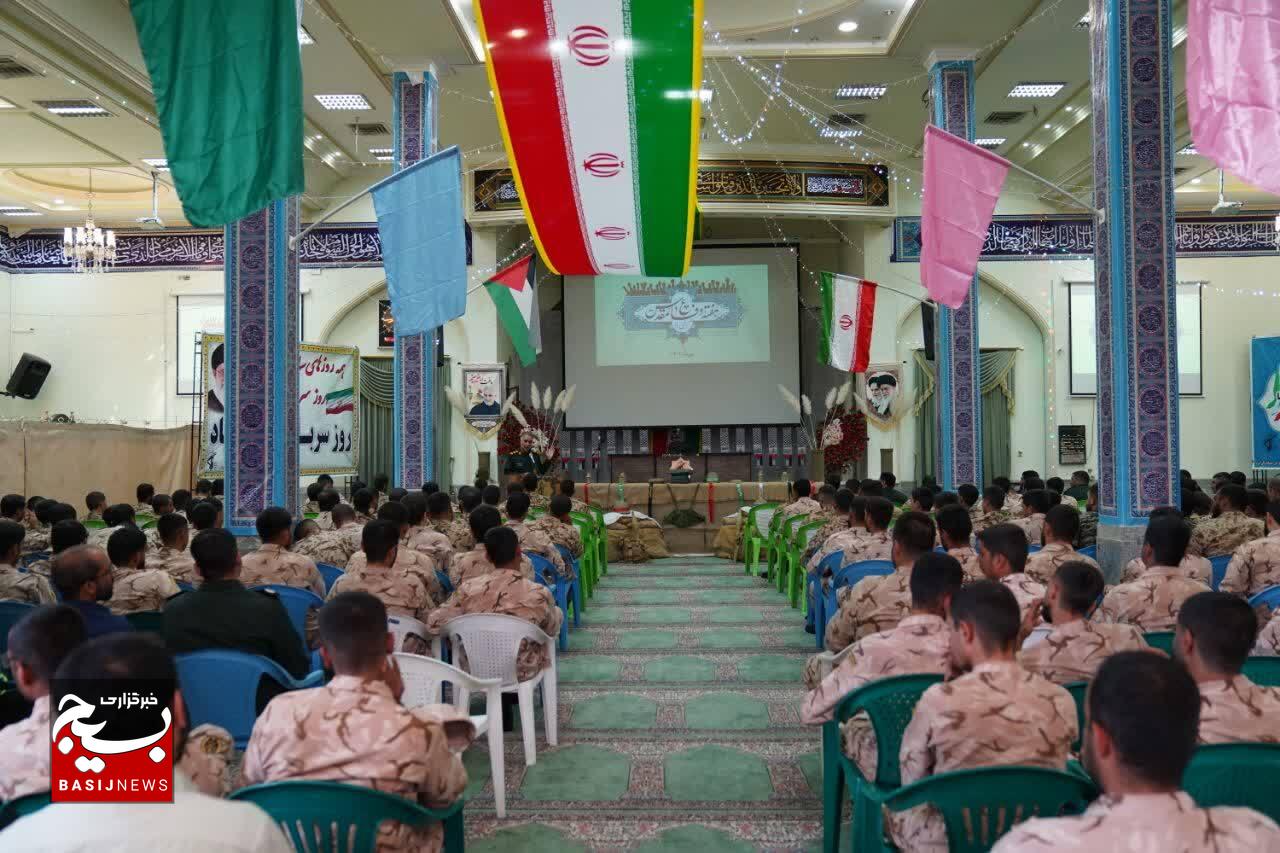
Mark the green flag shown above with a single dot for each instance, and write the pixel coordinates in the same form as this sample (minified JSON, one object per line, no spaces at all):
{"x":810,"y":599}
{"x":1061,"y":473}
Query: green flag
{"x":227,"y":80}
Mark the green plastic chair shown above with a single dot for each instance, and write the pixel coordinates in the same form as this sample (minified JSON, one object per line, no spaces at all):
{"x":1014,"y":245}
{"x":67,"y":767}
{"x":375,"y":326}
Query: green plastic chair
{"x":587,"y":572}
{"x":981,"y":805}
{"x":779,"y":556}
{"x":1263,"y":671}
{"x":1162,"y":640}
{"x":146,"y":620}
{"x":1078,"y":689}
{"x":22,"y":806}
{"x":1235,"y":774}
{"x":890,"y":703}
{"x":770,"y":542}
{"x":340,"y":818}
{"x":144,"y":522}
{"x":795,"y":568}
{"x":753,"y":538}
{"x":94,"y":524}
{"x":602,"y":539}
{"x":536,"y":512}
{"x":311,"y":515}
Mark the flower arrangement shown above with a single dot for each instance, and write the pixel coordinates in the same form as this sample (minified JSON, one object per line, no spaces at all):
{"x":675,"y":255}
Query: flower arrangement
{"x":843,"y":439}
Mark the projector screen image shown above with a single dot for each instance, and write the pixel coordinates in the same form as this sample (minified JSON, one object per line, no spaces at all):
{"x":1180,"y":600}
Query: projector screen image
{"x":703,"y":349}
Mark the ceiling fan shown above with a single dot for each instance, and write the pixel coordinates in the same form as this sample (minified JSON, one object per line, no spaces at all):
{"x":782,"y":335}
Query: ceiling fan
{"x":1224,"y":207}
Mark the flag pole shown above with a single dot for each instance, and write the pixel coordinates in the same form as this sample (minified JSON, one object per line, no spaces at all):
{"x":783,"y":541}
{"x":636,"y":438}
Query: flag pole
{"x":1100,"y":212}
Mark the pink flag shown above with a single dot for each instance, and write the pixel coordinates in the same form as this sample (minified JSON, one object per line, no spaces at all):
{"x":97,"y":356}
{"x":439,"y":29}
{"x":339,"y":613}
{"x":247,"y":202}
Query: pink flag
{"x":961,"y":185}
{"x":1233,"y":86}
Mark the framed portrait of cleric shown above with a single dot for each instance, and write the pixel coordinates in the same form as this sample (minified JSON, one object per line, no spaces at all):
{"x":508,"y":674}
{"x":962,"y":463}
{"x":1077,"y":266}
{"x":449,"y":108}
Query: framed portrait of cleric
{"x":213,"y":391}
{"x":386,"y":325}
{"x":483,"y":386}
{"x":882,"y":395}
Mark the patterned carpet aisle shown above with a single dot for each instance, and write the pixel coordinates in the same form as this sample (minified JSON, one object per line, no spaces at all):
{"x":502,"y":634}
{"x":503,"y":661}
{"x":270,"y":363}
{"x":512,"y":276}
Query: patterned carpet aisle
{"x":678,"y":725}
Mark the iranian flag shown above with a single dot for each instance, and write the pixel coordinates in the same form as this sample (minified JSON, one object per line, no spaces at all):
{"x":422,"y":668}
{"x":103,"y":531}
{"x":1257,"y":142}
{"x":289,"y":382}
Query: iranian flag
{"x":517,"y":303}
{"x":848,"y":309}
{"x":599,"y":102}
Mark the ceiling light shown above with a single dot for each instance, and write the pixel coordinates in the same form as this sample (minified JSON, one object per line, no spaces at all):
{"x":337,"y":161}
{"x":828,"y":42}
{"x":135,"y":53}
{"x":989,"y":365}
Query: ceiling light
{"x":847,"y":26}
{"x":385,"y":158}
{"x":1195,"y":180}
{"x":304,"y":37}
{"x":1048,"y":126}
{"x":862,"y":91}
{"x":519,"y":33}
{"x":5,"y":208}
{"x":990,"y":141}
{"x":344,"y":102}
{"x":1026,"y":145}
{"x":704,"y":95}
{"x":380,"y":151}
{"x":23,"y":213}
{"x":58,"y":201}
{"x":1188,"y":149}
{"x":5,"y":105}
{"x":160,"y":164}
{"x":1036,"y":90}
{"x":839,"y":132}
{"x":73,"y":107}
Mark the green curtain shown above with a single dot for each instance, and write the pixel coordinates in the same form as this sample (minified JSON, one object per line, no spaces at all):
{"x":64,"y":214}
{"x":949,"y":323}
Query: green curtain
{"x":995,"y":379}
{"x":926,"y":411}
{"x":377,"y":378}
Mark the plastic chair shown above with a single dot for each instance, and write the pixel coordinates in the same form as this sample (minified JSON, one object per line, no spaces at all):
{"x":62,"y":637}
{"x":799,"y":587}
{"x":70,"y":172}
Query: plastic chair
{"x":330,"y":573}
{"x":542,"y":567}
{"x":779,"y":557}
{"x":221,"y":686}
{"x":146,"y":620}
{"x":755,"y":529}
{"x":34,"y":557}
{"x":1031,"y":549}
{"x":402,"y":627}
{"x":981,"y":805}
{"x":890,"y":703}
{"x":297,"y":603}
{"x":1219,"y":565}
{"x":144,"y":522}
{"x":11,"y":612}
{"x":1235,"y":774}
{"x":311,"y":515}
{"x":1162,"y":640}
{"x":1078,"y":691}
{"x":1090,"y":551}
{"x":491,"y":642}
{"x":446,"y":583}
{"x":576,"y":585}
{"x":588,"y":568}
{"x":423,"y":681}
{"x":850,"y":575}
{"x":535,"y":512}
{"x":342,"y":818}
{"x":830,"y":563}
{"x":602,"y":539}
{"x":22,"y":806}
{"x":94,"y":524}
{"x":1263,"y":671}
{"x":795,"y":568}
{"x":770,"y":542}
{"x":1269,"y":596}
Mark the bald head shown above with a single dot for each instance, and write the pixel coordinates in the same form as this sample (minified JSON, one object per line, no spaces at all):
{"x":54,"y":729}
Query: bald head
{"x":82,"y":573}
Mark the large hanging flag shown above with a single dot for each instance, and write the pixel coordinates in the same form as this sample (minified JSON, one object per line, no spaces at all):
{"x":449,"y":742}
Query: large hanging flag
{"x":848,"y":310}
{"x":1233,"y":87}
{"x":227,"y":81}
{"x":598,"y":102}
{"x":424,"y":249}
{"x":514,"y":296}
{"x":961,"y":185}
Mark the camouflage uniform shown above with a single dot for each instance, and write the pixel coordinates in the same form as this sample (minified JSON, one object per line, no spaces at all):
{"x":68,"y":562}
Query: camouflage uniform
{"x":1254,"y":566}
{"x":272,"y":564}
{"x":93,"y":515}
{"x":1032,"y":525}
{"x":1268,"y":642}
{"x":475,"y":563}
{"x":1073,"y":651}
{"x":407,"y":563}
{"x":838,"y":541}
{"x":403,"y":593}
{"x":460,"y":535}
{"x":1197,"y":568}
{"x":332,"y":547}
{"x":177,"y":563}
{"x":998,"y":714}
{"x":1043,"y":564}
{"x":919,"y":644}
{"x":324,"y":520}
{"x":23,"y":586}
{"x":968,"y":559}
{"x":1026,"y":591}
{"x":1087,"y":535}
{"x":1237,"y":710}
{"x":559,"y":533}
{"x":137,"y":590}
{"x":1152,"y":601}
{"x":872,"y":605}
{"x":36,"y":540}
{"x":431,"y":543}
{"x":98,"y":538}
{"x":1145,"y":822}
{"x":506,"y":592}
{"x":533,"y":540}
{"x":42,"y":566}
{"x":539,"y":501}
{"x":803,"y":506}
{"x":839,"y":524}
{"x":143,"y":509}
{"x":1215,"y":537}
{"x":991,"y":519}
{"x":310,"y":506}
{"x":356,"y":732}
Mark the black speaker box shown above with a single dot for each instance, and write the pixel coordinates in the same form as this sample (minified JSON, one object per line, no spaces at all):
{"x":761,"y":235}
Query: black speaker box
{"x":28,"y":377}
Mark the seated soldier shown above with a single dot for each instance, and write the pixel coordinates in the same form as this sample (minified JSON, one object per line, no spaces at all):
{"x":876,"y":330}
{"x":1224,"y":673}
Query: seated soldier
{"x":1061,"y":523}
{"x":491,"y":495}
{"x":159,"y":505}
{"x":114,"y":517}
{"x":196,"y":819}
{"x":145,"y":492}
{"x":1257,"y":504}
{"x":1268,"y":642}
{"x":1087,"y":535}
{"x":474,"y":563}
{"x":1141,"y":716}
{"x":504,"y":590}
{"x":440,"y":516}
{"x":354,"y":730}
{"x":1079,"y":488}
{"x":1075,"y":647}
{"x":1216,"y":631}
{"x":855,"y":529}
{"x":14,"y":508}
{"x":327,"y":500}
{"x":135,"y":587}
{"x":65,"y":534}
{"x":459,"y":531}
{"x":569,"y":489}
{"x":532,"y":540}
{"x":173,"y":556}
{"x":1012,"y":499}
{"x":422,"y":537}
{"x":996,"y":714}
{"x":332,"y":546}
{"x":955,"y":527}
{"x":1229,"y":528}
{"x":1256,"y":565}
{"x":222,"y":614}
{"x":921,"y":500}
{"x":404,"y":593}
{"x":313,"y":498}
{"x":531,"y":484}
{"x":362,"y":502}
{"x":1196,"y":507}
{"x":1002,"y":558}
{"x":273,"y":562}
{"x":1152,"y":601}
{"x":181,"y":501}
{"x":879,"y":603}
{"x":826,"y":497}
{"x":95,"y":503}
{"x":16,"y":585}
{"x":407,"y":561}
{"x":36,"y":524}
{"x":971,"y":499}
{"x":803,"y":504}
{"x":1035,"y":504}
{"x":920,"y":643}
{"x":994,"y":502}
{"x":204,"y":515}
{"x":842,"y":506}
{"x":83,"y":575}
{"x":557,"y":526}
{"x":1197,"y":568}
{"x":858,"y":544}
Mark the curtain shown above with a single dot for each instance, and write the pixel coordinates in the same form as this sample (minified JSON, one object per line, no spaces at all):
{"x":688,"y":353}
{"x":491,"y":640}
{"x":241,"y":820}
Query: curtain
{"x":377,"y":378}
{"x":995,"y":384}
{"x":926,"y":411}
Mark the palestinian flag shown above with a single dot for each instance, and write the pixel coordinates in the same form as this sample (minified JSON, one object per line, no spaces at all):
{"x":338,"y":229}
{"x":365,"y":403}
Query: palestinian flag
{"x":599,"y":103}
{"x":848,"y":309}
{"x":517,"y":303}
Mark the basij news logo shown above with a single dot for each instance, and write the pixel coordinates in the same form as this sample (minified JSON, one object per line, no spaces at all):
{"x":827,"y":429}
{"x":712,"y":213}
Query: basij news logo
{"x":111,"y":741}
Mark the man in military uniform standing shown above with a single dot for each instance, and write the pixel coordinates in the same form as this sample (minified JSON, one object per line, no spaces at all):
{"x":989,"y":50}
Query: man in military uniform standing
{"x":525,"y":461}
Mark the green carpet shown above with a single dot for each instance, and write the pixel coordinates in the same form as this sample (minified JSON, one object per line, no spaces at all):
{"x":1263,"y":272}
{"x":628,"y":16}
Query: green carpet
{"x":679,"y":727}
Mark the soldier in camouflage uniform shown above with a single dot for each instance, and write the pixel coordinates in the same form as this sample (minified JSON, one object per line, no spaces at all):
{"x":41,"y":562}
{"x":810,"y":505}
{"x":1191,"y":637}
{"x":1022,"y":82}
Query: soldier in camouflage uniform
{"x":1060,"y":526}
{"x":994,"y":509}
{"x":838,"y":522}
{"x":145,"y":492}
{"x":327,"y":500}
{"x":115,"y":517}
{"x":313,"y":499}
{"x":1192,"y":566}
{"x":273,"y":562}
{"x":955,"y":526}
{"x":569,"y":489}
{"x":1230,"y":528}
{"x":95,"y":503}
{"x":15,"y":585}
{"x":404,"y":593}
{"x":1002,"y":558}
{"x":557,"y":526}
{"x":440,"y":515}
{"x":1256,"y":565}
{"x":134,"y":587}
{"x":1035,"y":504}
{"x":1152,"y":601}
{"x":67,"y":533}
{"x":329,"y":546}
{"x":1087,"y":535}
{"x":173,"y":556}
{"x":474,"y":563}
{"x":460,"y":534}
{"x":531,"y":484}
{"x":407,"y":561}
{"x":803,"y":504}
{"x":533,"y":540}
{"x":421,"y":537}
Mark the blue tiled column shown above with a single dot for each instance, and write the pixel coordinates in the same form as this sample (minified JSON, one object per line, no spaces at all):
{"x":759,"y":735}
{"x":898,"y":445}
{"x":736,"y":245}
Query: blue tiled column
{"x":414,"y":129}
{"x":1133,"y":89}
{"x":959,"y":428}
{"x":262,"y":365}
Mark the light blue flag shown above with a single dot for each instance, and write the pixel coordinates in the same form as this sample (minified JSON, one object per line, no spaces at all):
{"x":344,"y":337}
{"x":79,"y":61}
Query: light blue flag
{"x":423,"y":247}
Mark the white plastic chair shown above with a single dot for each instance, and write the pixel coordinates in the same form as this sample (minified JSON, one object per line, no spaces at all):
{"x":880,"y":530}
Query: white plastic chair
{"x":423,"y":679}
{"x":491,"y":642}
{"x":828,"y":661}
{"x":401,"y":627}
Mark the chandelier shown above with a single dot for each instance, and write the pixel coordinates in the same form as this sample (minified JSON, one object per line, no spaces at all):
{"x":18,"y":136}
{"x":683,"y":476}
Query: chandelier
{"x":89,"y":248}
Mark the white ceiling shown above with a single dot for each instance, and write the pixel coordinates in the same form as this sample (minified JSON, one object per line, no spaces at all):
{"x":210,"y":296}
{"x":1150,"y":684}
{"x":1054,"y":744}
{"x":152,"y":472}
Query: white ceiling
{"x":88,"y":49}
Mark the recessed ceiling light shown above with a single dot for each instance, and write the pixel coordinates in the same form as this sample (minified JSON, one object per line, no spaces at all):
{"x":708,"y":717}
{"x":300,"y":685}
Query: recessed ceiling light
{"x":304,"y":37}
{"x":1188,"y":149}
{"x":847,"y":26}
{"x":5,"y":105}
{"x":23,"y":213}
{"x":5,"y":208}
{"x":1195,"y":180}
{"x":1048,"y":126}
{"x":380,"y":151}
{"x":344,"y":102}
{"x":704,"y":95}
{"x":862,"y":91}
{"x":839,"y":132}
{"x":990,"y":141}
{"x":1026,"y":145}
{"x":73,"y":107}
{"x":160,"y":164}
{"x":1036,"y":90}
{"x":386,"y":158}
{"x":519,"y":33}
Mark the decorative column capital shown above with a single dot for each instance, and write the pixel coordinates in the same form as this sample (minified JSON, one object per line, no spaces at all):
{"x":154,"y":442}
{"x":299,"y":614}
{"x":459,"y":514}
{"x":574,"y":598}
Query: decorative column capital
{"x":950,"y":56}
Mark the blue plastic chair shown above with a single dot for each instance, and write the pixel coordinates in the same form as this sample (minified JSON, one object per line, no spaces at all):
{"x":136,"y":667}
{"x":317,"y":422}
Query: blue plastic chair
{"x":1219,"y":565}
{"x":445,"y":584}
{"x":542,"y":567}
{"x":186,"y":587}
{"x":330,"y":574}
{"x":830,"y":563}
{"x":1269,"y":596}
{"x":850,"y":575}
{"x":575,"y":585}
{"x":297,"y":603}
{"x":11,"y":612}
{"x":34,"y":557}
{"x":1090,"y":551}
{"x":220,"y":686}
{"x":1031,"y":549}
